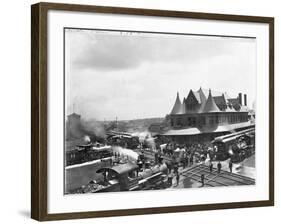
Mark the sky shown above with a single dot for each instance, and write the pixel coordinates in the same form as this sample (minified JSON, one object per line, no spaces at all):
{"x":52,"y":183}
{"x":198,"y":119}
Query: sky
{"x":133,"y":75}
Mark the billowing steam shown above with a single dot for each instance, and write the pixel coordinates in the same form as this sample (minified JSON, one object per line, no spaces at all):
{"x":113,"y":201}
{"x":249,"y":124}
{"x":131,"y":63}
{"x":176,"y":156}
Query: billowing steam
{"x":125,"y":153}
{"x":145,"y":137}
{"x":87,"y":139}
{"x":94,"y":127}
{"x":230,"y":152}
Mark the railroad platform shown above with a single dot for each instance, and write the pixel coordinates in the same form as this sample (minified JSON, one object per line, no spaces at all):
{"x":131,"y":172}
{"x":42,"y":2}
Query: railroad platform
{"x":191,"y":177}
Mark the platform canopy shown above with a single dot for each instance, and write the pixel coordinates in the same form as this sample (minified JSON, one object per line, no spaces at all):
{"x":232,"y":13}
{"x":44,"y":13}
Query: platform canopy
{"x":197,"y":131}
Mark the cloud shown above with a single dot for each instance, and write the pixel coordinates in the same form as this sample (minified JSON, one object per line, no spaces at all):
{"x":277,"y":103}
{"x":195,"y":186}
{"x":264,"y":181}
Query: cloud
{"x":136,"y":76}
{"x":120,"y":51}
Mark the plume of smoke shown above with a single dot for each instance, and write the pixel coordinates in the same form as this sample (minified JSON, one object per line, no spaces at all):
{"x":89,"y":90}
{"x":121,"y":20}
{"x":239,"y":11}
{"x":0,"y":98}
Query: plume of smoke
{"x":94,"y":128}
{"x":125,"y":152}
{"x":87,"y":139}
{"x":230,"y":152}
{"x":146,"y":137}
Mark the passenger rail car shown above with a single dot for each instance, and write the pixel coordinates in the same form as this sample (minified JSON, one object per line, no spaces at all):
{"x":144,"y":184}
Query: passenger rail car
{"x":237,"y":146}
{"x":86,"y":153}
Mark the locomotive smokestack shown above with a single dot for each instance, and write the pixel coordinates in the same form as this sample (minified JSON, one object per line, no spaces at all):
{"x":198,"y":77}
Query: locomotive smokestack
{"x":245,"y":99}
{"x":240,"y":98}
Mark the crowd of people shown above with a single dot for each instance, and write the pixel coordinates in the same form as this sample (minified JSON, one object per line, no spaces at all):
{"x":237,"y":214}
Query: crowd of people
{"x":186,"y":153}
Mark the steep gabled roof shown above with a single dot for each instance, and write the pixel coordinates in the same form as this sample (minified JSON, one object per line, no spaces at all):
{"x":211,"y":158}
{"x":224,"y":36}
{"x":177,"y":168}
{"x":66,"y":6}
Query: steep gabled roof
{"x":193,"y":95}
{"x":244,"y":109}
{"x":183,"y":108}
{"x":233,"y":101}
{"x":197,"y":102}
{"x":203,"y":99}
{"x":230,"y":109}
{"x":214,"y":93}
{"x":220,"y":100}
{"x":210,"y":105}
{"x":192,"y":102}
{"x":226,"y":96}
{"x":177,"y":108}
{"x":197,"y":96}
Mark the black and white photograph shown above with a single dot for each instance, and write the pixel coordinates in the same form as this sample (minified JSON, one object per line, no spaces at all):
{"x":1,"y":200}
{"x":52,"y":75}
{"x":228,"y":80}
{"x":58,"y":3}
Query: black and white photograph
{"x":158,"y":111}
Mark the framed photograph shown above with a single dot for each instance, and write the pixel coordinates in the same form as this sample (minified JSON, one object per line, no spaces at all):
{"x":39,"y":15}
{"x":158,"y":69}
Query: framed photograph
{"x":142,"y":111}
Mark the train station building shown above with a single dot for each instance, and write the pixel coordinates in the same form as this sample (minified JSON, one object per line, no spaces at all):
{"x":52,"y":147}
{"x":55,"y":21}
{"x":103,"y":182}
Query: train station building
{"x":206,"y":114}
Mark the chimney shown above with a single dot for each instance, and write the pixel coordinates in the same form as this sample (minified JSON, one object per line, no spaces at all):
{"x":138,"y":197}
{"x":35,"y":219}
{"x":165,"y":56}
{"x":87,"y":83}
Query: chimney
{"x":240,"y":98}
{"x":245,"y":99}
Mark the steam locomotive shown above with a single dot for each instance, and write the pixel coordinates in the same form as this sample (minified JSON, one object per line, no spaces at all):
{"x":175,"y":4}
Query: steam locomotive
{"x":123,"y":139}
{"x":127,"y":177}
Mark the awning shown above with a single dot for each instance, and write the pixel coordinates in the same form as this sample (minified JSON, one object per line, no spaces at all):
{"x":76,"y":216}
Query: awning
{"x":197,"y":131}
{"x":186,"y":131}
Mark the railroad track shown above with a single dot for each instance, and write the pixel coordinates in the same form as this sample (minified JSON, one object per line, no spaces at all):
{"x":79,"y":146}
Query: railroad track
{"x":214,"y":178}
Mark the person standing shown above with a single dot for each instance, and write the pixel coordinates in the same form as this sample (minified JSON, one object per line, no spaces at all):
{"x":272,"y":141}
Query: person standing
{"x":177,"y":178}
{"x":219,"y":167}
{"x":169,"y":166}
{"x":170,"y":180}
{"x":203,"y":179}
{"x":230,"y":166}
{"x":211,"y":167}
{"x":176,"y":168}
{"x":184,"y":160}
{"x":156,"y":156}
{"x":191,"y":159}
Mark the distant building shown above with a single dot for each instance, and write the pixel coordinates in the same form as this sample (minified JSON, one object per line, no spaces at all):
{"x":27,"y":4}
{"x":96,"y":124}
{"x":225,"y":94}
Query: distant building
{"x":205,"y":114}
{"x":74,"y":126}
{"x":156,"y":127}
